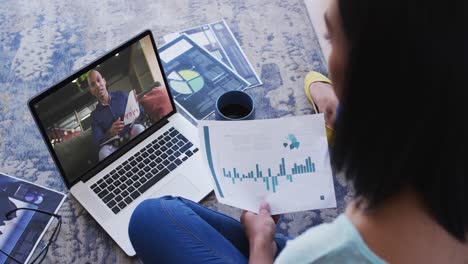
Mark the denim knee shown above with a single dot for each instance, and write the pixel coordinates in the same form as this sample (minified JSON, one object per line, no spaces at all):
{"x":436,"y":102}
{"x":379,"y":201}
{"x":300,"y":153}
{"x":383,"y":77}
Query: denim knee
{"x":148,"y":206}
{"x":148,"y":210}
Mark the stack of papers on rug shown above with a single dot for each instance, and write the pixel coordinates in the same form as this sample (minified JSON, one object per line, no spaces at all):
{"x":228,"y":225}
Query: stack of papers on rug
{"x":202,"y":63}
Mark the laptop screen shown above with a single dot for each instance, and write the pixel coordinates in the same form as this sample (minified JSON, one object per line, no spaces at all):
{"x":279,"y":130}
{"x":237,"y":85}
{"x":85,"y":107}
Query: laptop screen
{"x":104,"y":107}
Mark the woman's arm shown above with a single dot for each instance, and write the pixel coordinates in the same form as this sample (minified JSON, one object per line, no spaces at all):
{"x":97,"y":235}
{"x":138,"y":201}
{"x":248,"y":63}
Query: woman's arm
{"x":260,"y":231}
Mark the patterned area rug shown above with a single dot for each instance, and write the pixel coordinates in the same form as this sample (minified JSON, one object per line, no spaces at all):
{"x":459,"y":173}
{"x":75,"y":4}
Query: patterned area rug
{"x":45,"y":41}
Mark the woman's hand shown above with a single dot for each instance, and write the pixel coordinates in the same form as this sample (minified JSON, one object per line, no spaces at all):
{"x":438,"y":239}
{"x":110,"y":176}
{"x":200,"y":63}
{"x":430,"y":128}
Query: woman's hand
{"x":260,"y":230}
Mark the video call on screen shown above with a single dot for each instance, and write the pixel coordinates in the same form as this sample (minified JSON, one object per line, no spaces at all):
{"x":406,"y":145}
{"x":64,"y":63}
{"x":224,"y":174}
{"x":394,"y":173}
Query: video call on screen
{"x":97,"y":113}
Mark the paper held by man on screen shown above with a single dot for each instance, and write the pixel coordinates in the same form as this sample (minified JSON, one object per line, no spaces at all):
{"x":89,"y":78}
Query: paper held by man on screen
{"x":284,"y":162}
{"x":132,"y":110}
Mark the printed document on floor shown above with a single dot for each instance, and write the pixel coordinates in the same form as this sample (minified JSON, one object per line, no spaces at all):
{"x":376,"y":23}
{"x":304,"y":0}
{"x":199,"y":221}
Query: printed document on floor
{"x":195,"y":77}
{"x":218,"y":39}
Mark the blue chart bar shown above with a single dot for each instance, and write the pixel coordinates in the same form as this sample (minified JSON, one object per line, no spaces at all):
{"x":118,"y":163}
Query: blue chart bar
{"x":271,"y":180}
{"x":210,"y":161}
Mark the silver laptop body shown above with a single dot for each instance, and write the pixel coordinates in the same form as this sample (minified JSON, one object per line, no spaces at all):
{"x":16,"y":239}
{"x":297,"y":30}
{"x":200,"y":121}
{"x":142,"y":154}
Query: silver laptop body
{"x":164,"y":159}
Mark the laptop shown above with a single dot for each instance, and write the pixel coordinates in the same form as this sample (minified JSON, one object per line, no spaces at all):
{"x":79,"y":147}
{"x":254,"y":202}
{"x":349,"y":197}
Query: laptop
{"x":117,"y":139}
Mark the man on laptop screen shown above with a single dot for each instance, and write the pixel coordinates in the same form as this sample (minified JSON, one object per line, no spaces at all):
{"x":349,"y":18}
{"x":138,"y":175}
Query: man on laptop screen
{"x":107,"y":119}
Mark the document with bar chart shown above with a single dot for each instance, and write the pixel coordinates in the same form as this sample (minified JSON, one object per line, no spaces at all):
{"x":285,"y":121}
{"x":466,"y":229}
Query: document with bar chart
{"x":284,"y":162}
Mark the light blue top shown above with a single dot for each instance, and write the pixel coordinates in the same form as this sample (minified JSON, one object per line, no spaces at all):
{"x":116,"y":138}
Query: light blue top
{"x":336,"y":242}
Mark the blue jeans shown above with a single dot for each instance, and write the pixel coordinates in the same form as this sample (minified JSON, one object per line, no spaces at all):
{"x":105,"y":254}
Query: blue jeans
{"x":176,"y":230}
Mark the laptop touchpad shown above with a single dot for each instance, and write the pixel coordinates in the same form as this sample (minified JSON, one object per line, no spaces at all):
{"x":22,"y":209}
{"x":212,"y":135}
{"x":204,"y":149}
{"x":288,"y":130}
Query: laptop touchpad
{"x":179,"y":186}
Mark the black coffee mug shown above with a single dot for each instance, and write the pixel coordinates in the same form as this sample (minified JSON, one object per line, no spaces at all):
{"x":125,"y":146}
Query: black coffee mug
{"x":235,"y":105}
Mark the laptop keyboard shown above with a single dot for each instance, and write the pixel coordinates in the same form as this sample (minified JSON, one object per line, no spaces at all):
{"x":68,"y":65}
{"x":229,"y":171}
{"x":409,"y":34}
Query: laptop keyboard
{"x":145,"y":168}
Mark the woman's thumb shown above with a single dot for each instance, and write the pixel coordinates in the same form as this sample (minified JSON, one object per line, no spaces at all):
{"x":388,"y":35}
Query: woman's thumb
{"x":264,"y":209}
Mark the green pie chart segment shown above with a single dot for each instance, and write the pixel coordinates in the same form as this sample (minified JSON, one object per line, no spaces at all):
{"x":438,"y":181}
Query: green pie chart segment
{"x":180,"y":87}
{"x":197,"y":84}
{"x":188,"y":74}
{"x":186,"y":81}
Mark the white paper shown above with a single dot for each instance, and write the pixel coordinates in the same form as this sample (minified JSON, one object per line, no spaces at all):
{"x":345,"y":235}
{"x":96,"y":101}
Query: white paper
{"x":132,"y":110}
{"x":316,"y":10}
{"x":175,"y":51}
{"x":242,"y":145}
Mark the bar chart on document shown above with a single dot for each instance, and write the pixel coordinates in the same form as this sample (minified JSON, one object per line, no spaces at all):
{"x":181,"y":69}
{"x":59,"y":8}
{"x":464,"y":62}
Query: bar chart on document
{"x":284,"y":162}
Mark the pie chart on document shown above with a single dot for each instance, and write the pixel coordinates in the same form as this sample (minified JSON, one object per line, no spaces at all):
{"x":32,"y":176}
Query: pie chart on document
{"x":186,"y":81}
